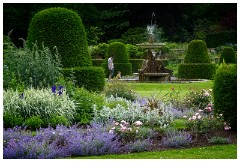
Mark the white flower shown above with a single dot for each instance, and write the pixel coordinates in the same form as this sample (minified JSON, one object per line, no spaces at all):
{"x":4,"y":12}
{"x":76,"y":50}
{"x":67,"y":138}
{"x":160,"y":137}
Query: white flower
{"x":190,"y":118}
{"x":111,"y":131}
{"x":184,"y":116}
{"x":138,"y":123}
{"x":116,"y":123}
{"x":199,"y":117}
{"x":197,"y":114}
{"x":194,"y":117}
{"x":200,"y":110}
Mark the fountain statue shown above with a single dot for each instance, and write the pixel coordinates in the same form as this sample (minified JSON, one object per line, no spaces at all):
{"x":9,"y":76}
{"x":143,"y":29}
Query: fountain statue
{"x":152,"y":69}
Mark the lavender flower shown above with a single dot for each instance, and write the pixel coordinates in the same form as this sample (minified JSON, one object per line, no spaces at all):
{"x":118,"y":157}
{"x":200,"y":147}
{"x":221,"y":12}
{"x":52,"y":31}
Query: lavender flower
{"x":54,"y":89}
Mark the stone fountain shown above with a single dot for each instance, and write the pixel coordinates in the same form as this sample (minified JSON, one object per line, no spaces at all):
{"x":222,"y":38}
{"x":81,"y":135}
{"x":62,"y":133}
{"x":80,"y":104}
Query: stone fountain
{"x":152,"y":69}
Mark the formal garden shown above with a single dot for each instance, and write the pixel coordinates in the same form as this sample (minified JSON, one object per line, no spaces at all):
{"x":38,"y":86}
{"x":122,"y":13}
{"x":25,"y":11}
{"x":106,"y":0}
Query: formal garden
{"x":59,"y":104}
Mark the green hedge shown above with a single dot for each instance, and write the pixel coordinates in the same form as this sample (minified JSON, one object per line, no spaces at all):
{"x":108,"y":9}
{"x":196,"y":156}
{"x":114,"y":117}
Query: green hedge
{"x":91,"y":78}
{"x":125,"y":68}
{"x":196,"y":71}
{"x":225,"y":93}
{"x":98,"y":62}
{"x":221,"y":38}
{"x":229,"y":55}
{"x":62,"y":28}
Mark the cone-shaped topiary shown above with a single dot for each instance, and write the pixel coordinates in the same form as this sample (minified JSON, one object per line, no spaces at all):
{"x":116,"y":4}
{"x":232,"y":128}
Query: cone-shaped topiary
{"x":62,"y":28}
{"x":228,"y":54}
{"x":120,"y":58}
{"x":196,"y":62}
{"x":197,"y":52}
{"x":225,"y":93}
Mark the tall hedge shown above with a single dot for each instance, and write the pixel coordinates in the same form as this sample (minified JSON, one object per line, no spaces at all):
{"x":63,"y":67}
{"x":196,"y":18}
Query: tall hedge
{"x":121,"y":59}
{"x":228,"y":54}
{"x":62,"y":28}
{"x":225,"y":93}
{"x":196,"y":62}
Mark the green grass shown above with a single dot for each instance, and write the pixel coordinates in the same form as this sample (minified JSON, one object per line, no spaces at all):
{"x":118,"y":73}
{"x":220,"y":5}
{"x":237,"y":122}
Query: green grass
{"x":210,"y":152}
{"x":161,"y":89}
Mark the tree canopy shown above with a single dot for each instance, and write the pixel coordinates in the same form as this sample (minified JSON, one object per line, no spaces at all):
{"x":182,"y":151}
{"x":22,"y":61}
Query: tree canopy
{"x":180,"y":22}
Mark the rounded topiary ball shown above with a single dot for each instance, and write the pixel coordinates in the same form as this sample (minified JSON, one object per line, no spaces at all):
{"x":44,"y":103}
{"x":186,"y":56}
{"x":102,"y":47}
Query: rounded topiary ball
{"x":62,"y":28}
{"x":228,"y":55}
{"x":197,"y":52}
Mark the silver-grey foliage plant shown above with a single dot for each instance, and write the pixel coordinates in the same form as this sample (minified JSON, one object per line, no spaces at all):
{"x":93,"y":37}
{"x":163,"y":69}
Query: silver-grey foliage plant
{"x":38,"y":102}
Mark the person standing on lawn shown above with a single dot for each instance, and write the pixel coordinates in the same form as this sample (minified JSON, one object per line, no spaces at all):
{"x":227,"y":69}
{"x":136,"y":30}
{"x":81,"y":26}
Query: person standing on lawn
{"x":110,"y":67}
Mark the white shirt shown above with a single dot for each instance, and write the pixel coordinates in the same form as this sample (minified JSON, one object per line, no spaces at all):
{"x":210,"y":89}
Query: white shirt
{"x":110,"y":63}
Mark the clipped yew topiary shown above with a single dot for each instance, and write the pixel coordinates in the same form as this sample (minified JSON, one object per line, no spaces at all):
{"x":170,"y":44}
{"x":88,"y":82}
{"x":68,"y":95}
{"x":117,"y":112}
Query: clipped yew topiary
{"x":196,"y":62}
{"x":62,"y":28}
{"x":228,"y":55}
{"x":225,"y":93}
{"x":120,"y":59}
{"x":197,"y":52}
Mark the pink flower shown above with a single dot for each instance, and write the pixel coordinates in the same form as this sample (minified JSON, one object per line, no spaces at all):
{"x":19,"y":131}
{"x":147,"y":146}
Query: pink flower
{"x":208,"y":109}
{"x":227,"y":127}
{"x":123,"y":129}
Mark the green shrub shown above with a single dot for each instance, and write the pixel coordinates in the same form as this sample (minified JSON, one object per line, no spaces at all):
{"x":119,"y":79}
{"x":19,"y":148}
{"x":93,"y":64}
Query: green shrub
{"x":228,"y":55}
{"x":133,"y":51}
{"x":99,"y":51}
{"x":62,"y":28}
{"x":38,"y":102}
{"x":84,"y":101}
{"x":197,"y":52}
{"x":11,"y":120}
{"x":196,"y":71}
{"x":225,"y":93}
{"x":119,"y":89}
{"x":218,"y":140}
{"x":34,"y":122}
{"x":91,"y":78}
{"x":134,"y":36}
{"x":58,"y":120}
{"x":32,"y":68}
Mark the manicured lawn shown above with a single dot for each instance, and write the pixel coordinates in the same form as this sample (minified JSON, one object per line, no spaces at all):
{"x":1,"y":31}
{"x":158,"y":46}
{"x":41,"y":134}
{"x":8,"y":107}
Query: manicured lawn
{"x":210,"y":152}
{"x":161,"y":89}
